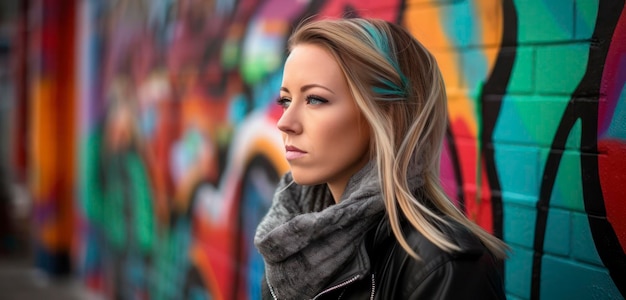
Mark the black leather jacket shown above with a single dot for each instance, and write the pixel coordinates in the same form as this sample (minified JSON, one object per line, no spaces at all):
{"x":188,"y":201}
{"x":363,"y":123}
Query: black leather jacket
{"x":384,"y":270}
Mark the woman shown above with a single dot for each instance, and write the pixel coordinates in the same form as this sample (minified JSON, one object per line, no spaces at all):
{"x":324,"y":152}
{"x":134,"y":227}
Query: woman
{"x":362,"y":213}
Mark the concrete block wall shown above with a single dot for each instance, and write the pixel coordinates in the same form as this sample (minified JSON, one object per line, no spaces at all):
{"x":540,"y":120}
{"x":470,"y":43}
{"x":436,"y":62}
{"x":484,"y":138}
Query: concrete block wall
{"x":179,"y":151}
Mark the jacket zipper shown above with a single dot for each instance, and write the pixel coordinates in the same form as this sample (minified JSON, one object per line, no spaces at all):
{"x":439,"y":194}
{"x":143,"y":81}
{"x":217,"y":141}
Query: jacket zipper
{"x":271,"y":290}
{"x":373,"y":287}
{"x":332,"y":288}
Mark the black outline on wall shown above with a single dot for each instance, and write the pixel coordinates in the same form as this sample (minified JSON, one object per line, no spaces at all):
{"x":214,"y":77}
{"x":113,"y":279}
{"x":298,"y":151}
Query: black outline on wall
{"x":584,"y":106}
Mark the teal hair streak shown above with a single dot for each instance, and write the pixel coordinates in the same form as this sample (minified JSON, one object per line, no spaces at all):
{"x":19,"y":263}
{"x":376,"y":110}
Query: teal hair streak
{"x":388,"y":89}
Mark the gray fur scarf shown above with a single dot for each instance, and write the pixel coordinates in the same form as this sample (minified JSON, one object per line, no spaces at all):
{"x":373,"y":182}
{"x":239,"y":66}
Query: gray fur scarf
{"x":306,"y":239}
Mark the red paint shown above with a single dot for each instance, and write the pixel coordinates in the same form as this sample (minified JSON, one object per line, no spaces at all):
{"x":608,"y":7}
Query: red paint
{"x":477,"y":207}
{"x":387,"y":10}
{"x":611,"y":166}
{"x":612,"y":158}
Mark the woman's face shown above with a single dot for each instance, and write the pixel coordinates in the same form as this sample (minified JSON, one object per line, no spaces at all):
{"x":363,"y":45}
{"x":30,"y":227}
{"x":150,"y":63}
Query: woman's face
{"x":326,"y":137}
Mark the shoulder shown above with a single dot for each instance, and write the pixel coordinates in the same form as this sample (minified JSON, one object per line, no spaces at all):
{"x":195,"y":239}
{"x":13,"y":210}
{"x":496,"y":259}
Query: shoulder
{"x":471,"y":272}
{"x":387,"y":247}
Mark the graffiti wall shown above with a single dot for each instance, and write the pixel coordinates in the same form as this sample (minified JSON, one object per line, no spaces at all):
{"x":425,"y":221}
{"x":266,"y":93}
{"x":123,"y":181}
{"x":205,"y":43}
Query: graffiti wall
{"x":51,"y":105}
{"x":177,"y":153}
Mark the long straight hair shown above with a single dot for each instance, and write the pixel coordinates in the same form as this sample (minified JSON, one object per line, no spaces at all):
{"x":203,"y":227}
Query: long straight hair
{"x":397,"y":85}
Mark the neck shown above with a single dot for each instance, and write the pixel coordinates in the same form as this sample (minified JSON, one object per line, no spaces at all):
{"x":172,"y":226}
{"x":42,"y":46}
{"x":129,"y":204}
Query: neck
{"x":336,"y":189}
{"x":338,"y":185}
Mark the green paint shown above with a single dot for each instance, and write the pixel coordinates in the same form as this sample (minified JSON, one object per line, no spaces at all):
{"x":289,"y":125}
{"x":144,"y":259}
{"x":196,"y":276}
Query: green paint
{"x":568,"y":191}
{"x":92,"y":189}
{"x":171,"y":261}
{"x":583,"y":246}
{"x":478,"y":111}
{"x":256,"y":69}
{"x":522,"y":76}
{"x":230,"y":54}
{"x":573,"y":139}
{"x":544,"y":20}
{"x":539,"y":116}
{"x":559,"y":68}
{"x":143,"y":213}
{"x":585,"y":18}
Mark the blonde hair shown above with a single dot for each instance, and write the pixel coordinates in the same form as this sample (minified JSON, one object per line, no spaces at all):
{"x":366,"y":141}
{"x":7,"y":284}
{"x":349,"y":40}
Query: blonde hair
{"x":398,"y":87}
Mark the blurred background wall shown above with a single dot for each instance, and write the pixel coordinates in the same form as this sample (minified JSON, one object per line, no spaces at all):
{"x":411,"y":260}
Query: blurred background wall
{"x":138,"y":148}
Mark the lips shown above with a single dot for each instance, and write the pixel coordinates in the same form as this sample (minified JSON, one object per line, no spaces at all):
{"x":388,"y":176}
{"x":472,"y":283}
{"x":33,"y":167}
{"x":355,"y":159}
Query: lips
{"x":292,"y":152}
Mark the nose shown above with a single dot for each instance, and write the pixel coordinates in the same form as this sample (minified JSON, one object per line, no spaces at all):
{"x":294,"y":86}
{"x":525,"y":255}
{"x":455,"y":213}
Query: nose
{"x":289,"y":122}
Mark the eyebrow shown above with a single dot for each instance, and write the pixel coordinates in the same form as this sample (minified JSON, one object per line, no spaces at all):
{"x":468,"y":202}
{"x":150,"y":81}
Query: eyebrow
{"x":308,"y":86}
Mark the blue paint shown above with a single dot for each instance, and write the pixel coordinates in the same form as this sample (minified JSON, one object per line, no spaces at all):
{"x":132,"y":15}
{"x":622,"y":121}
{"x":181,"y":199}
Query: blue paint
{"x":237,"y":109}
{"x":458,"y":23}
{"x":560,"y":12}
{"x":510,"y":127}
{"x":519,"y":224}
{"x":475,"y":69}
{"x":460,"y":26}
{"x":566,"y":279}
{"x":530,"y":120}
{"x":557,"y":237}
{"x":266,"y":92}
{"x":518,"y":172}
{"x":517,"y":271}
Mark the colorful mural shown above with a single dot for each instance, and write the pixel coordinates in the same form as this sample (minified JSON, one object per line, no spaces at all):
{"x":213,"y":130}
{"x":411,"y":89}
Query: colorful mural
{"x":51,"y":122}
{"x":178,"y":154}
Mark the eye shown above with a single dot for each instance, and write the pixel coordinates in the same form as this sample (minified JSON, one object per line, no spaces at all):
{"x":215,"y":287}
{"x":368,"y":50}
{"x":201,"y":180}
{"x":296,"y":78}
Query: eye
{"x":315,"y":100}
{"x":284,"y":102}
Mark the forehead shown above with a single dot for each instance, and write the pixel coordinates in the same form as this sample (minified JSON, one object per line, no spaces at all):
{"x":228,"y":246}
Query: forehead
{"x":312,"y":62}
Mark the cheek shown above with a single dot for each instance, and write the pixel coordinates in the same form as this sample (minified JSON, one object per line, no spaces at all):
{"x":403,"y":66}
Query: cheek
{"x":345,"y":133}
